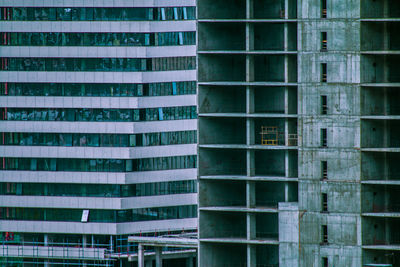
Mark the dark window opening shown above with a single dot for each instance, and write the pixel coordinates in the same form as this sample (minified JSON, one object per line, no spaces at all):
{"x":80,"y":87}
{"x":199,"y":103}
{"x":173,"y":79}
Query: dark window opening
{"x":324,"y":137}
{"x":324,"y":72}
{"x":324,"y":104}
{"x":324,"y":9}
{"x":324,"y":202}
{"x":324,"y":41}
{"x":324,"y":234}
{"x":324,"y":170}
{"x":325,"y":262}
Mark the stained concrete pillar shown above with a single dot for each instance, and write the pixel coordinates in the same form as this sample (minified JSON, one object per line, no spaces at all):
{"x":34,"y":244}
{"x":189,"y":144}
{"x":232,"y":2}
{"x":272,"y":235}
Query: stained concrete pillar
{"x":250,"y":163}
{"x":386,"y":42}
{"x":140,"y":256}
{"x":250,"y":133}
{"x":158,"y":256}
{"x":249,"y":58}
{"x":289,"y":234}
{"x":250,"y":194}
{"x":287,"y":198}
{"x":250,"y":223}
{"x":251,"y":256}
{"x":286,"y":48}
{"x":286,"y":9}
{"x":250,"y":186}
{"x":249,"y":15}
{"x":286,"y":42}
{"x":250,"y":226}
{"x":287,"y":172}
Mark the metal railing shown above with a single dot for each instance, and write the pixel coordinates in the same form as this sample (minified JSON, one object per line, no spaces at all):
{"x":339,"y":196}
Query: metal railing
{"x":54,"y":250}
{"x":123,"y":247}
{"x":52,"y":263}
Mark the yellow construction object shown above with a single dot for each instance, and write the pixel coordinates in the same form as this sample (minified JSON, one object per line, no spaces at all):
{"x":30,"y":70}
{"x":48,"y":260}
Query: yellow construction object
{"x":269,"y":135}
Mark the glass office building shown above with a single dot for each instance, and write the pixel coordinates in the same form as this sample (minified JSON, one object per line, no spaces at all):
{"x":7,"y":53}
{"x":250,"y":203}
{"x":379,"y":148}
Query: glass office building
{"x":98,"y":128}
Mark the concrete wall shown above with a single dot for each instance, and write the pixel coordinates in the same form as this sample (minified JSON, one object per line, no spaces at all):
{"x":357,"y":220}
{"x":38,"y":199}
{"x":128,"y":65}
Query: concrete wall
{"x":289,"y":234}
{"x":342,"y":123}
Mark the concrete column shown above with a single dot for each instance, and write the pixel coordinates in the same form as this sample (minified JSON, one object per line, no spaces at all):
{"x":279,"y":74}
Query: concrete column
{"x":249,"y":47}
{"x":140,"y":256}
{"x":251,"y":256}
{"x":385,"y":42}
{"x":158,"y":256}
{"x":250,"y":163}
{"x":286,"y":100}
{"x":250,"y":226}
{"x":287,"y":172}
{"x":287,"y":163}
{"x":286,"y":9}
{"x":249,"y":9}
{"x":250,"y":194}
{"x":286,"y":42}
{"x":249,"y":67}
{"x":287,"y":192}
{"x":250,"y":131}
{"x":286,"y":48}
{"x":249,"y":99}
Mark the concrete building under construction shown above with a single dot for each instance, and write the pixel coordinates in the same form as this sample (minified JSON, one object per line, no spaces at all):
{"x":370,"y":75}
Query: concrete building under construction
{"x":298,"y":122}
{"x":98,"y":129}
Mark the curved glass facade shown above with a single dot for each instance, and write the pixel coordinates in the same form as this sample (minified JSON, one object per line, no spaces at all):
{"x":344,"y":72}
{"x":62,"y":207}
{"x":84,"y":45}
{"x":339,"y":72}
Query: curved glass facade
{"x":103,"y":216}
{"x":64,"y":72}
{"x":97,"y":39}
{"x":98,"y":165}
{"x":99,"y":140}
{"x":99,"y":115}
{"x":98,"y":64}
{"x":97,"y":13}
{"x":99,"y":190}
{"x":98,"y":89}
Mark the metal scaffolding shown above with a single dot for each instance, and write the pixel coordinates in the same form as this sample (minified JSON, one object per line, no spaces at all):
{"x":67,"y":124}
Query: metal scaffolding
{"x":269,"y":135}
